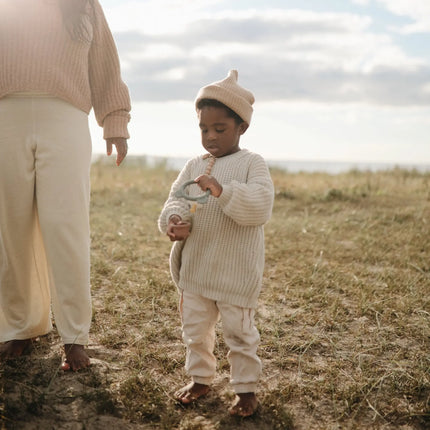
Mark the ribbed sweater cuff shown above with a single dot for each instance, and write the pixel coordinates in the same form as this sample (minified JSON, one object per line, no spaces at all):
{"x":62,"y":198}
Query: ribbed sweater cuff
{"x":184,"y":215}
{"x":115,"y":125}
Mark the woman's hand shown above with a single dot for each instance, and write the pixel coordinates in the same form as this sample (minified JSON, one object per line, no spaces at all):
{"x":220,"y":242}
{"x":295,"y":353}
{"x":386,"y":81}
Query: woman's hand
{"x":121,"y":148}
{"x":207,"y":182}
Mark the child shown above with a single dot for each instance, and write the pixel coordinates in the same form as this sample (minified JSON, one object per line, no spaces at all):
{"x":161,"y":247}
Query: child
{"x":217,"y":263}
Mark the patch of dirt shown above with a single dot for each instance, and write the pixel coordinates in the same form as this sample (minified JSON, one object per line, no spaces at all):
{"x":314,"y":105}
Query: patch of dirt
{"x":37,"y":394}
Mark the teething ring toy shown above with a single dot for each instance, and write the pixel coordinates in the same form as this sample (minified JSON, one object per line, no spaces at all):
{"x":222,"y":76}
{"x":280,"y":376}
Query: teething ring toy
{"x":203,"y":198}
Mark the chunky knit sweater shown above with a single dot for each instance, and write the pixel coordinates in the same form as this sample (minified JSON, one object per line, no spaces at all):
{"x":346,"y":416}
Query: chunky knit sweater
{"x":223,"y":258}
{"x":38,"y":54}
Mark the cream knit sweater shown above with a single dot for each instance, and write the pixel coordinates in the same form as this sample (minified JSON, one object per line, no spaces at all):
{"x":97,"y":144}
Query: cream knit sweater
{"x":38,"y":54}
{"x":223,"y":258}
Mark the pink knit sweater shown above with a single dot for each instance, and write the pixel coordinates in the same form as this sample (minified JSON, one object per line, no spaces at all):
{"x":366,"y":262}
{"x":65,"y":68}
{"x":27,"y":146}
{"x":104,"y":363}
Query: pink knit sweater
{"x":38,"y":54}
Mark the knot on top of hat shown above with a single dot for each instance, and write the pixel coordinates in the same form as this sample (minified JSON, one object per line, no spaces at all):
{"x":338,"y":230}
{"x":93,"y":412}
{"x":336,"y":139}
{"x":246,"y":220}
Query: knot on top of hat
{"x":230,"y":93}
{"x":233,"y":74}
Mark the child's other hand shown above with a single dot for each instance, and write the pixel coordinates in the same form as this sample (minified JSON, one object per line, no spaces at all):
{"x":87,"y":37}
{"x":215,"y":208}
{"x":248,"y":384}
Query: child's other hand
{"x":207,"y":182}
{"x":178,"y":229}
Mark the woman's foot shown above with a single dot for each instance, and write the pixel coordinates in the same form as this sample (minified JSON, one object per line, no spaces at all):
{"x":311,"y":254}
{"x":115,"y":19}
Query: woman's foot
{"x":76,"y":357}
{"x":245,"y":405}
{"x":15,"y":348}
{"x":191,"y":392}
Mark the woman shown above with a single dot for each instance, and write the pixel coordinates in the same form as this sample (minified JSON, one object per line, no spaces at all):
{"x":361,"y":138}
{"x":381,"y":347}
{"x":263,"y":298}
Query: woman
{"x":58,"y":60}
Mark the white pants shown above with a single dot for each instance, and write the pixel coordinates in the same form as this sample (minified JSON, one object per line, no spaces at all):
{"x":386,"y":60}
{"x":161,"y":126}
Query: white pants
{"x":45,"y":157}
{"x":199,"y":317}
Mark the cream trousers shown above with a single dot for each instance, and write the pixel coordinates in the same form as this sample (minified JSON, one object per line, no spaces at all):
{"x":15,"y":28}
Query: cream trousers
{"x":199,"y":317}
{"x":45,"y":157}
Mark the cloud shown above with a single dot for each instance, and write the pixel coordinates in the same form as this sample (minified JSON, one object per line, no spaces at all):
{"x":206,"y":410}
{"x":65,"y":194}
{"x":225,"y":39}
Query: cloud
{"x":361,"y":2}
{"x":280,"y":54}
{"x":417,"y":10}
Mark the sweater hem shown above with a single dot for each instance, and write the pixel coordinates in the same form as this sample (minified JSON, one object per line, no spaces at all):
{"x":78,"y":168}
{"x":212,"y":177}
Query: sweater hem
{"x":83,"y":107}
{"x":243,"y":302}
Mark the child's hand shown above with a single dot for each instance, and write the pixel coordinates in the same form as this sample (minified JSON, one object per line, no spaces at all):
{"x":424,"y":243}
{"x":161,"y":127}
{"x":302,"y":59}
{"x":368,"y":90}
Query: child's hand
{"x":178,"y":229}
{"x":207,"y":182}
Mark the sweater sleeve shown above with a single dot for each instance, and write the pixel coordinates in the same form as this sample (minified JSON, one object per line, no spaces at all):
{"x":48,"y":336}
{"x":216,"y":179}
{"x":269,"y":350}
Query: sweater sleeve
{"x":173,"y":205}
{"x":109,"y":94}
{"x":250,"y":203}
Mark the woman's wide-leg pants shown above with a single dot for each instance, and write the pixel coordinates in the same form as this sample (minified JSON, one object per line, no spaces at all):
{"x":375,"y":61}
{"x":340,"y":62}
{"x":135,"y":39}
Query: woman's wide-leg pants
{"x":45,"y":157}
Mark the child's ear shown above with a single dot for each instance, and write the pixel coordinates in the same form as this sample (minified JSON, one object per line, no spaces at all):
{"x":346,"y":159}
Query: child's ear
{"x":243,"y":126}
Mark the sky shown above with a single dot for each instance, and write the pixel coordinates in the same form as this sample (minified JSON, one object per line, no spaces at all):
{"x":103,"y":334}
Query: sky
{"x":334,"y":80}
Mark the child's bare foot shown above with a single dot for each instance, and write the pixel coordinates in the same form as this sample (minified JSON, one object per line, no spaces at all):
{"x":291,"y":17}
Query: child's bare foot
{"x":15,"y":348}
{"x":191,"y":392}
{"x":76,"y":357}
{"x":245,"y":405}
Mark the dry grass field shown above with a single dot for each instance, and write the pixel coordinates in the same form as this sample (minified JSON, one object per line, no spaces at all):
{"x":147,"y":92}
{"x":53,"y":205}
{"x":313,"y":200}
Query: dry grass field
{"x":344,"y":314}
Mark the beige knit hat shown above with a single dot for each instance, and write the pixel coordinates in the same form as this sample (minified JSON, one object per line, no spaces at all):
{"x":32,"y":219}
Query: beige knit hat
{"x":231,"y":94}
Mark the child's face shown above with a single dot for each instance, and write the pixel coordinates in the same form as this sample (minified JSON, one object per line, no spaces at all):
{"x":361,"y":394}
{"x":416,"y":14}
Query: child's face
{"x":220,"y":133}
